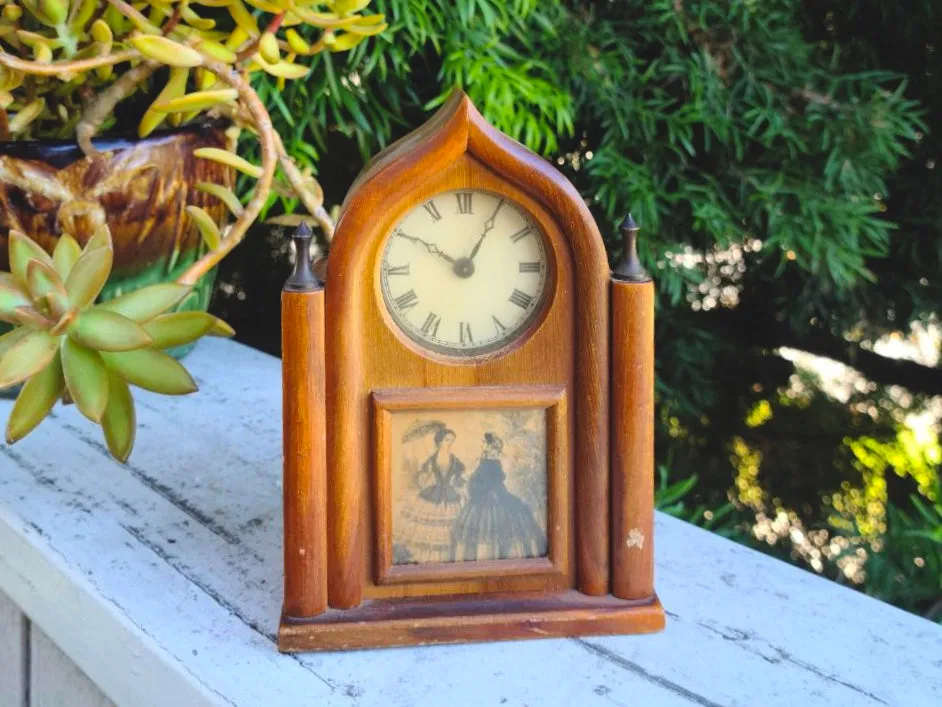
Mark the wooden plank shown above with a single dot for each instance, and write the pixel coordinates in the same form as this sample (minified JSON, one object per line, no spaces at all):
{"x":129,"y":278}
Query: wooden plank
{"x":113,"y":649}
{"x":56,"y":681}
{"x":100,"y":536}
{"x":162,"y":581}
{"x":14,"y":654}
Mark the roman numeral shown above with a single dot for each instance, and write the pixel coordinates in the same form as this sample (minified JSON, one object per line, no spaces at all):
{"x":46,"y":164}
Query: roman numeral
{"x":521,"y":234}
{"x":407,"y":300}
{"x":521,"y":299}
{"x":465,"y":332}
{"x":527,"y":267}
{"x":430,"y":327}
{"x":432,"y":210}
{"x":464,"y":202}
{"x":401,"y":269}
{"x":499,"y":325}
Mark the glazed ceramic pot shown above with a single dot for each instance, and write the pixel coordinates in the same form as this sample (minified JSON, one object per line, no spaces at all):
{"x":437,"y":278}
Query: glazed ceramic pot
{"x":139,"y":187}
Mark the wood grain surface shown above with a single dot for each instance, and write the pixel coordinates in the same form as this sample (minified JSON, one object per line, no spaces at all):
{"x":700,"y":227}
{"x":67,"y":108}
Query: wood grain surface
{"x":14,"y":655}
{"x":55,"y":680}
{"x":449,"y":620}
{"x":305,"y":454}
{"x":161,"y":580}
{"x":567,"y":346}
{"x":633,"y":439}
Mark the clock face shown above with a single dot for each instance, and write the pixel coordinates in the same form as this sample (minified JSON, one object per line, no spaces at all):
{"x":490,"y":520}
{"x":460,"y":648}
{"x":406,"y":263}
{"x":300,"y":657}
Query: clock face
{"x":465,"y":273}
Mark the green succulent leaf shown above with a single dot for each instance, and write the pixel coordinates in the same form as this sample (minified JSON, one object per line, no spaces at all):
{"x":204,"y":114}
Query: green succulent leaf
{"x":175,"y":87}
{"x":11,"y":297}
{"x":179,"y":328}
{"x":119,"y":421}
{"x":34,"y":402}
{"x":31,"y":317}
{"x":166,"y":51}
{"x":217,"y":154}
{"x":44,"y":283}
{"x":221,"y":328}
{"x":26,"y":357}
{"x":151,"y":370}
{"x":56,"y":10}
{"x":102,"y":330}
{"x":147,"y":302}
{"x":344,"y":7}
{"x":207,"y":226}
{"x":23,"y":249}
{"x":200,"y":100}
{"x":100,"y":239}
{"x":66,"y":255}
{"x":8,"y":340}
{"x":86,"y":378}
{"x":224,"y":194}
{"x":88,"y":276}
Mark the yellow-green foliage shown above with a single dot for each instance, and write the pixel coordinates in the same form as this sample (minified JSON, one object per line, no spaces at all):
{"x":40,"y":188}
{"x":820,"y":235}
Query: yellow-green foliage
{"x":864,"y":507}
{"x":250,"y":35}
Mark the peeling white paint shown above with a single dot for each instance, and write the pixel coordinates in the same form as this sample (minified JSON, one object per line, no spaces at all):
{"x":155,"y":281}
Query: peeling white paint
{"x":165,"y":589}
{"x":635,"y":539}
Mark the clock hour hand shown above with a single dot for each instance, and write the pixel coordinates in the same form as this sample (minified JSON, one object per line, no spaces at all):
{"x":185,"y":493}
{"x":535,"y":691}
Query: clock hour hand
{"x":488,"y":225}
{"x":432,"y":248}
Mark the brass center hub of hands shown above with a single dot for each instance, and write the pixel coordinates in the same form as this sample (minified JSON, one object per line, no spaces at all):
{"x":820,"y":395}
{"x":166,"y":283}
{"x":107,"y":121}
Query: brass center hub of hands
{"x":464,"y":267}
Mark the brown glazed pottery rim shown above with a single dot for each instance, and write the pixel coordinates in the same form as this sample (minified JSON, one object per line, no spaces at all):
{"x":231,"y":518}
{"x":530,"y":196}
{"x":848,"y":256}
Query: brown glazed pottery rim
{"x":61,"y":152}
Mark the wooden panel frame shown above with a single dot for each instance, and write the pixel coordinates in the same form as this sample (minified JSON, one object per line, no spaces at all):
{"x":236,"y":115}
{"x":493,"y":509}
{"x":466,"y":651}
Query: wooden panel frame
{"x":364,"y":354}
{"x":556,"y":567}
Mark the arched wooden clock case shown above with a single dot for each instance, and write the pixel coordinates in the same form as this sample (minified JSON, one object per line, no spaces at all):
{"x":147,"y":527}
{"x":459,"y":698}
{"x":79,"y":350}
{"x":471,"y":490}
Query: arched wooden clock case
{"x":350,"y":370}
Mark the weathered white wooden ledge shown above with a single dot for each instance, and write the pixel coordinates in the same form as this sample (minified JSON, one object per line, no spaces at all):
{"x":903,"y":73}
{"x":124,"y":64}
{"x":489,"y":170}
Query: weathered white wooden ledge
{"x":161,"y":582}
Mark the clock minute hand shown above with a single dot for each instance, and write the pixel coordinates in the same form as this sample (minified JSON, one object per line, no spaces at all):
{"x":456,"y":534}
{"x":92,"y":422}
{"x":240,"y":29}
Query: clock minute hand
{"x":477,"y":246}
{"x":432,"y":248}
{"x":488,"y":225}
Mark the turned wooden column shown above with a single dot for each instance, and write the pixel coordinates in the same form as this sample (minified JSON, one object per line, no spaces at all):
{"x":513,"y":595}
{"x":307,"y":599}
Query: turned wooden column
{"x":305,"y":461}
{"x":632,"y":424}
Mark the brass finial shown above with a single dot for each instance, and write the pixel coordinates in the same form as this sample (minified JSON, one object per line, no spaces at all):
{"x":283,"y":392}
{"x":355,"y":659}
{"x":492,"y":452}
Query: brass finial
{"x":303,"y":278}
{"x":630,"y":269}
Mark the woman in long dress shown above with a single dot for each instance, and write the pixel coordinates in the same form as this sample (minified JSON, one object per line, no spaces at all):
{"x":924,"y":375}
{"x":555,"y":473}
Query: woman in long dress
{"x":424,"y":529}
{"x":494,"y":523}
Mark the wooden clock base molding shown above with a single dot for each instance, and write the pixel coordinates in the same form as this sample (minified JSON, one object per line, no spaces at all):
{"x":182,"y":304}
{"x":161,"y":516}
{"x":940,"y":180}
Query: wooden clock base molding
{"x":429,"y":620}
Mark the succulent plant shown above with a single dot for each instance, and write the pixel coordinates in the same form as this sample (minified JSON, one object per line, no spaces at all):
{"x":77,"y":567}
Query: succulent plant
{"x":64,"y":346}
{"x":66,"y":64}
{"x":89,"y":38}
{"x":64,"y":67}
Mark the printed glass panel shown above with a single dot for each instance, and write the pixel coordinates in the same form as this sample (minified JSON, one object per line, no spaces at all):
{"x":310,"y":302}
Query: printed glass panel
{"x":468,"y":485}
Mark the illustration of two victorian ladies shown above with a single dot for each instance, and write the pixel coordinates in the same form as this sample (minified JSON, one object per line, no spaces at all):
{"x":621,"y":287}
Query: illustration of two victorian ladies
{"x":456,"y":517}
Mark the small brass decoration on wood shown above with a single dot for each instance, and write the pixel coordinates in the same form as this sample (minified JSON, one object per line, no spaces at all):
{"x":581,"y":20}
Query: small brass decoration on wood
{"x":468,"y":407}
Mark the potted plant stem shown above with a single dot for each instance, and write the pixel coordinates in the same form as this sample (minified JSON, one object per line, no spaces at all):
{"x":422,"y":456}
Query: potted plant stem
{"x":109,"y":241}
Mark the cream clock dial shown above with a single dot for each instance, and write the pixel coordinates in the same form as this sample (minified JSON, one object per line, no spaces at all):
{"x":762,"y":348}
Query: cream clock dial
{"x":464,"y":273}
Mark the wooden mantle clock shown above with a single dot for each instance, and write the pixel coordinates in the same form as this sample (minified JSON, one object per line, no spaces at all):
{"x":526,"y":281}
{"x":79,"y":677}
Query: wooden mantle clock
{"x":468,"y":408}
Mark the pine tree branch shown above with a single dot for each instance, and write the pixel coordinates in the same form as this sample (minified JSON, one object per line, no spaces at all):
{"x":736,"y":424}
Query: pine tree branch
{"x":750,"y":331}
{"x":913,"y":376}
